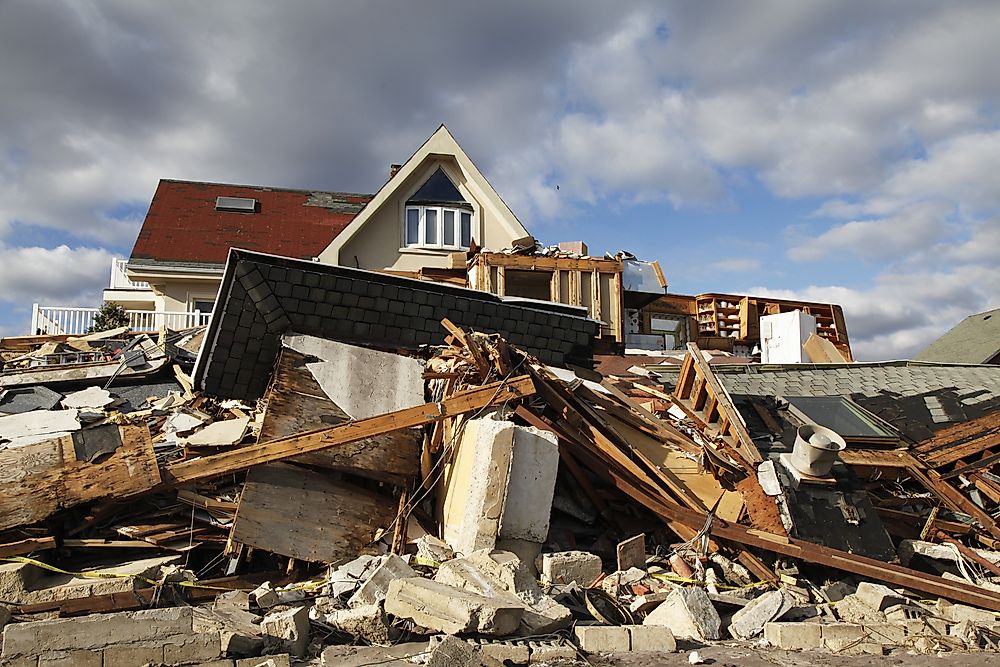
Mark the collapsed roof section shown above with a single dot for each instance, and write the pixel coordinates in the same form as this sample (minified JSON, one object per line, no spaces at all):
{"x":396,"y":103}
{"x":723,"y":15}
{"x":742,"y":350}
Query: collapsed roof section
{"x":263,"y":296}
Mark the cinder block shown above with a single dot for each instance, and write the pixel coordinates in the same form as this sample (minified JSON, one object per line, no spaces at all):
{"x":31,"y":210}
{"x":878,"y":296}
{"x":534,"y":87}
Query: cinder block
{"x":96,"y":631}
{"x":131,"y":655}
{"x":602,"y":638}
{"x":280,"y":660}
{"x":194,"y":648}
{"x":651,"y":638}
{"x":517,"y":654}
{"x":71,"y":659}
{"x":542,"y":652}
{"x":794,"y":636}
{"x":893,"y":634}
{"x":878,"y":596}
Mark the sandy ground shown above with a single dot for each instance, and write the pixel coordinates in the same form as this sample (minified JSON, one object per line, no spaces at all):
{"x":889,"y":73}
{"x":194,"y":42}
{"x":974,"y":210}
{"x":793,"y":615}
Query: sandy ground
{"x":719,"y":655}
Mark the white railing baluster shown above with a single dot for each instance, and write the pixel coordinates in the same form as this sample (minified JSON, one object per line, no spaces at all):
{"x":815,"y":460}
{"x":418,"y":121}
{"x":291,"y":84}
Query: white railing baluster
{"x":53,"y":320}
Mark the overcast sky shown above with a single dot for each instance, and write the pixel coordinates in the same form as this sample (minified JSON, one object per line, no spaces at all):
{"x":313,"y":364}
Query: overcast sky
{"x":834,"y":151}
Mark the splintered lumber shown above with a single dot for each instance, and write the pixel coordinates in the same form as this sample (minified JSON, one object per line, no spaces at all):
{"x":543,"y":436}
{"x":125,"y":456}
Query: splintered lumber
{"x":285,"y":448}
{"x":822,"y":351}
{"x":931,"y":480}
{"x":307,"y":515}
{"x":957,"y":442}
{"x":37,"y":480}
{"x":296,"y":404}
{"x":877,"y":570}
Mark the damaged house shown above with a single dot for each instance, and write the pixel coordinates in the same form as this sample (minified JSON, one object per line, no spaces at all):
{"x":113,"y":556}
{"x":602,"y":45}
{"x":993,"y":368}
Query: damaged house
{"x":401,"y":429}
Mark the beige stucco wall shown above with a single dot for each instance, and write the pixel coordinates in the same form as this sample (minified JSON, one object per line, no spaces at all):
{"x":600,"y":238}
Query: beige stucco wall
{"x":378,"y":245}
{"x":175,"y":295}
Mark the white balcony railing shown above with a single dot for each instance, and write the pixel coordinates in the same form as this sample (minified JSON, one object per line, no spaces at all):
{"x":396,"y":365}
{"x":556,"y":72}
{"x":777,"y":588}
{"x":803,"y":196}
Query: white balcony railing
{"x":120,"y":279}
{"x":54,"y":320}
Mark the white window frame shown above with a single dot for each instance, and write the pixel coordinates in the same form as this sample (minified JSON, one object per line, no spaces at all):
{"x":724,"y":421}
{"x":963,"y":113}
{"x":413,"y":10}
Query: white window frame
{"x":419,"y":242}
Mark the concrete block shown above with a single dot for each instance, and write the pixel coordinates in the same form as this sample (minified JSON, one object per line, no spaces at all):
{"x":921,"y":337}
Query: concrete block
{"x":853,"y":609}
{"x":956,"y":613}
{"x":891,"y":634}
{"x":877,"y":596}
{"x":517,"y":654}
{"x":849,"y":639}
{"x":500,"y":485}
{"x":749,"y":621}
{"x":689,"y":614}
{"x":131,"y":655}
{"x":23,"y":661}
{"x":564,"y":567}
{"x":96,"y":631}
{"x":451,"y":610}
{"x":5,"y":616}
{"x":434,"y":549}
{"x":367,"y":622}
{"x":602,"y":638}
{"x":651,"y":638}
{"x":71,"y":659}
{"x":453,"y":652}
{"x":280,"y":660}
{"x":373,"y":590}
{"x":794,"y":636}
{"x":544,"y":652}
{"x":192,"y":648}
{"x":288,"y":629}
{"x":264,"y":596}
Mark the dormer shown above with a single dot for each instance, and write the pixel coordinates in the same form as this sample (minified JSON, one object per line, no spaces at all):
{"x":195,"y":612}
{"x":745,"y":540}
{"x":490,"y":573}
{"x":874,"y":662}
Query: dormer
{"x":434,"y":204}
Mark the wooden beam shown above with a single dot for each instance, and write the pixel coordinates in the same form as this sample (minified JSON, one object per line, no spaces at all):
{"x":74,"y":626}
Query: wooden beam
{"x":894,"y":575}
{"x":279,"y":450}
{"x":952,"y":498}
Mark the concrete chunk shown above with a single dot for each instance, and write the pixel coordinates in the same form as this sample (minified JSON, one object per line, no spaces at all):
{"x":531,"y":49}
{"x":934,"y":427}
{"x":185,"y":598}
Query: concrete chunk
{"x":602,"y":638}
{"x":288,"y":629}
{"x":443,"y":608}
{"x":564,"y":567}
{"x":794,"y":636}
{"x":651,"y":638}
{"x":750,"y":620}
{"x":502,"y":575}
{"x":373,"y":590}
{"x":367,"y":622}
{"x":878,"y":596}
{"x":689,"y":614}
{"x":451,"y":651}
{"x":96,"y":631}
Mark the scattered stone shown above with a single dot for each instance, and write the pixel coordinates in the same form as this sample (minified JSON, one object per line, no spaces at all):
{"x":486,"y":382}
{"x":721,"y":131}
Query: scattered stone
{"x":564,"y":567}
{"x":451,"y":651}
{"x":877,"y":596}
{"x":280,"y":660}
{"x":264,"y":596}
{"x":956,"y":613}
{"x":750,"y":620}
{"x":367,"y":622}
{"x":689,"y":614}
{"x":447,"y":609}
{"x":545,"y":652}
{"x":853,"y":609}
{"x":373,"y":590}
{"x":837,"y":591}
{"x":346,"y":578}
{"x":433,"y":549}
{"x":288,"y":630}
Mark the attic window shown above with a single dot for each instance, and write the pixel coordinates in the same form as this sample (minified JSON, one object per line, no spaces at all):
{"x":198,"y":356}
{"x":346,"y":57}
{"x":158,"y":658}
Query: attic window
{"x":438,"y":216}
{"x":237,"y":204}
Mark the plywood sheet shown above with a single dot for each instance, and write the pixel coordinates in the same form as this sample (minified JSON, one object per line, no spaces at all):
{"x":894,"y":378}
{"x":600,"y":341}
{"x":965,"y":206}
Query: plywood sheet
{"x":292,"y":511}
{"x":296,"y":404}
{"x":37,"y":480}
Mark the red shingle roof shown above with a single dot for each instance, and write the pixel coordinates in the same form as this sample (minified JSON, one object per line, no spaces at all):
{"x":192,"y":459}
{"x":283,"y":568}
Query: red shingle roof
{"x":183,"y":226}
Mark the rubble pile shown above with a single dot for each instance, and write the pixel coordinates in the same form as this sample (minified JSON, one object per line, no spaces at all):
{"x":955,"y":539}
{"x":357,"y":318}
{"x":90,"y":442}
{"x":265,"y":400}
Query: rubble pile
{"x":465,"y":504}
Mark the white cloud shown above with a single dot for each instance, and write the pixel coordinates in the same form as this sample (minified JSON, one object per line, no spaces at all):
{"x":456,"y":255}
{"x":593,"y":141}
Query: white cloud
{"x":59,"y":276}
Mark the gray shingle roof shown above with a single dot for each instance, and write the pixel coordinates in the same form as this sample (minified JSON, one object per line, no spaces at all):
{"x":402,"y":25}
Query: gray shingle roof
{"x":974,"y":340}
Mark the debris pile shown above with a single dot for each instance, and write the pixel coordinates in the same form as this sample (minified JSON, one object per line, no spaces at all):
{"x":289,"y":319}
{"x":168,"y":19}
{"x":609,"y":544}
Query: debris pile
{"x":466,"y":504}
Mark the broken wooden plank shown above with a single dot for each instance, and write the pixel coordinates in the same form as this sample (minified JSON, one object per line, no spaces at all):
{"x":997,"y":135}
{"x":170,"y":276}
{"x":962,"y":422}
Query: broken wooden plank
{"x":957,"y":442}
{"x":37,"y":480}
{"x":279,"y":450}
{"x":951,"y":497}
{"x":307,"y":515}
